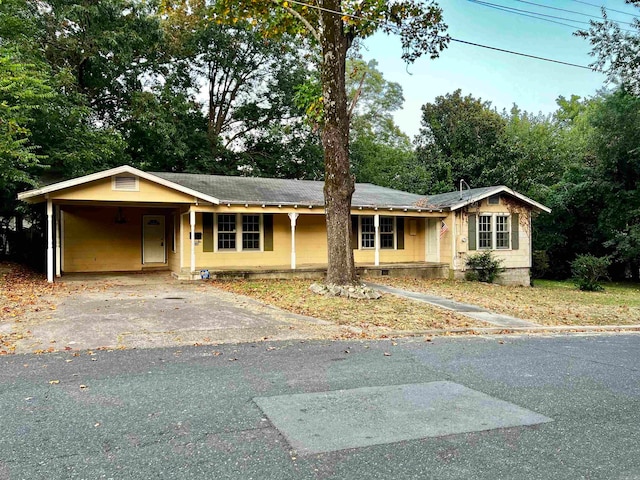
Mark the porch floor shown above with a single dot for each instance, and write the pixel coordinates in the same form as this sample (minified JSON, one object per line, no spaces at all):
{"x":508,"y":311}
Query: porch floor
{"x":319,"y":271}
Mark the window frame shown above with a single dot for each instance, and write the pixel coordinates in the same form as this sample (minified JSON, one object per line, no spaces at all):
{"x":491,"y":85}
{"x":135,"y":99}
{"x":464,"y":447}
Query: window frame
{"x":233,"y":234}
{"x":251,"y":232}
{"x":485,"y":235}
{"x":505,"y":234}
{"x":392,"y":233}
{"x":239,"y":233}
{"x":494,"y":235}
{"x":371,"y":233}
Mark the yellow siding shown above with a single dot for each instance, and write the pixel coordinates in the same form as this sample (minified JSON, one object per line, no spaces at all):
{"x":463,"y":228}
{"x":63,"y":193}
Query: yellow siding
{"x":102,"y":190}
{"x":280,"y":256}
{"x":93,"y":242}
{"x":311,"y":240}
{"x":311,"y":245}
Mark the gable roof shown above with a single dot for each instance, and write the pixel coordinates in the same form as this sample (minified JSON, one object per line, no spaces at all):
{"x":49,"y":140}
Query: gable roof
{"x":462,"y":198}
{"x":278,"y":191}
{"x":74,"y":182}
{"x":218,"y":189}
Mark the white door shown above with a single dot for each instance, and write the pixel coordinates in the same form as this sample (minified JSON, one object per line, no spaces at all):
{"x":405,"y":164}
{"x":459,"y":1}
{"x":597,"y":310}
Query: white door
{"x":432,"y":237}
{"x":153,"y":249}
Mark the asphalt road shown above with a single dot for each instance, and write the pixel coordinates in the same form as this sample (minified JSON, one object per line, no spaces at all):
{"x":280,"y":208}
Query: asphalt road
{"x":193,"y":412}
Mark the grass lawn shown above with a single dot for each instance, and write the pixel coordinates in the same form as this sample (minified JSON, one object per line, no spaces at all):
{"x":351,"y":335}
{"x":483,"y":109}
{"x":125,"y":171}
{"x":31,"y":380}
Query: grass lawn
{"x":547,"y":303}
{"x":389,"y":311}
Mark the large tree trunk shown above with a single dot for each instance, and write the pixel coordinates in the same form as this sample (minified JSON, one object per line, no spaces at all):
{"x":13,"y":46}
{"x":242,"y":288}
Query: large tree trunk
{"x":338,"y":182}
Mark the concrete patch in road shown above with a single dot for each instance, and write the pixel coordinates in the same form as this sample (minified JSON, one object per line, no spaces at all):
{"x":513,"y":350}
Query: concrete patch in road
{"x":338,"y":420}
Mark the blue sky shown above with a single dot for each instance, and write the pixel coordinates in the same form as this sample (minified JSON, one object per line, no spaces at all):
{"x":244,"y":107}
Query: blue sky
{"x":500,"y":78}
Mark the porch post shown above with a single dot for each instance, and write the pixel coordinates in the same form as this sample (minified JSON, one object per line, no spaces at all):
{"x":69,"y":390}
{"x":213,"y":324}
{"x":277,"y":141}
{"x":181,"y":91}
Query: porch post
{"x":192,"y":223}
{"x":293,"y":217}
{"x":58,"y":219}
{"x":49,"y":240}
{"x":376,"y":226}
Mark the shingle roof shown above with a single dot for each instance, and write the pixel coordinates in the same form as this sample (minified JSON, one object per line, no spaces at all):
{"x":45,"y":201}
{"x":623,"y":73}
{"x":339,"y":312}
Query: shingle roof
{"x":286,"y":192}
{"x":452,"y":199}
{"x":461,"y":198}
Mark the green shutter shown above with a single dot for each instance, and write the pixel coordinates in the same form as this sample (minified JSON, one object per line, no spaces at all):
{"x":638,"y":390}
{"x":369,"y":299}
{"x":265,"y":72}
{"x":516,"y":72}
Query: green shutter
{"x":354,"y":232}
{"x":472,"y":232}
{"x":267,"y":224}
{"x":207,"y":232}
{"x":515,"y":231}
{"x":400,"y":233}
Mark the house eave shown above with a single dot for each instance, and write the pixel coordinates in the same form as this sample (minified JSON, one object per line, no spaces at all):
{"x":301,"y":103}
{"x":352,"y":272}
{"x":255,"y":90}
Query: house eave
{"x":40,"y":194}
{"x":501,"y":189}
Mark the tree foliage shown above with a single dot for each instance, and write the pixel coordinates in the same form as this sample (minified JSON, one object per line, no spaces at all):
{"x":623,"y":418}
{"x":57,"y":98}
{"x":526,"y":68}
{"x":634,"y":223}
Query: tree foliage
{"x":333,"y":26}
{"x":617,"y":50}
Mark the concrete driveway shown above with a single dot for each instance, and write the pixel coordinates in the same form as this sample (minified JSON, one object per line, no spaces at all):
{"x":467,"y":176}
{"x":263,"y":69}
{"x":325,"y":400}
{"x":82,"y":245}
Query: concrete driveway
{"x":154,"y":310}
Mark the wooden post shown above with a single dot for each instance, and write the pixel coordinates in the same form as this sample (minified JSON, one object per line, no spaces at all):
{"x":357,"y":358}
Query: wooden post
{"x":192,"y":223}
{"x":293,"y":217}
{"x":49,"y":241}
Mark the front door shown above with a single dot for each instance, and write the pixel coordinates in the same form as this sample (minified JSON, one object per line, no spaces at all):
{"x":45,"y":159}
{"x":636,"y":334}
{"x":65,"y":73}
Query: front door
{"x":432,"y":237}
{"x":153,"y":249}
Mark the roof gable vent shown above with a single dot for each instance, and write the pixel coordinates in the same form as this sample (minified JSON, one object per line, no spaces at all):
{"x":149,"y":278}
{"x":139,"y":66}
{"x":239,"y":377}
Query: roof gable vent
{"x":125,"y":184}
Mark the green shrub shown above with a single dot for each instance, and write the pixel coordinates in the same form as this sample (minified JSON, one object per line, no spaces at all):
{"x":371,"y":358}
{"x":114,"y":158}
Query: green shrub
{"x":588,"y":271}
{"x":483,"y":267}
{"x":540,"y":265}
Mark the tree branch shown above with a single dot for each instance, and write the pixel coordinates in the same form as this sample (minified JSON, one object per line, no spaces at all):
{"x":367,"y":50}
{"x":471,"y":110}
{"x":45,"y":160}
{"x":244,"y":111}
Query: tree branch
{"x":305,"y":22}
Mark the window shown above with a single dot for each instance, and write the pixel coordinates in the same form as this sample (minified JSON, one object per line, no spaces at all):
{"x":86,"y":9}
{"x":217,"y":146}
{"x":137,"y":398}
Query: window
{"x":387,"y":232}
{"x":250,"y":232}
{"x":367,"y":233}
{"x":484,"y":232}
{"x":494,"y":200}
{"x":226,"y":231}
{"x":489,"y":231}
{"x":502,"y":231}
{"x":239,"y":232}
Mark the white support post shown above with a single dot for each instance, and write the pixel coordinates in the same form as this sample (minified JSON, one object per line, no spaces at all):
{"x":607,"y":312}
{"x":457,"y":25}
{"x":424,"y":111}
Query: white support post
{"x":293,"y":217}
{"x":376,"y":226}
{"x":58,"y":220}
{"x":192,"y":223}
{"x":182,"y":242}
{"x":49,"y":241}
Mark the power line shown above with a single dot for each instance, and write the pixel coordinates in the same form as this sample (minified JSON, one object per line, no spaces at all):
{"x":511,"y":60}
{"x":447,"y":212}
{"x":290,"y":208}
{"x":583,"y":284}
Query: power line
{"x":537,"y":15}
{"x":521,"y":54}
{"x":565,"y":10}
{"x":606,"y":8}
{"x":529,"y":16}
{"x":395,"y":27}
{"x":511,"y":9}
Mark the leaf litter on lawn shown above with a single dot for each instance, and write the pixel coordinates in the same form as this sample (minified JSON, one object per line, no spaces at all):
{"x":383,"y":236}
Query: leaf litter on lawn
{"x":549,"y":303}
{"x":396,"y":314}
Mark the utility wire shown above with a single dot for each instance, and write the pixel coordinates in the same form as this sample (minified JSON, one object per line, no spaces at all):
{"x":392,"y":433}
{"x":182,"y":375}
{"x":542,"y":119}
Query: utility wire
{"x":395,"y":27}
{"x":606,"y":8}
{"x":529,"y":13}
{"x":567,"y":11}
{"x":521,"y":54}
{"x":573,"y":27}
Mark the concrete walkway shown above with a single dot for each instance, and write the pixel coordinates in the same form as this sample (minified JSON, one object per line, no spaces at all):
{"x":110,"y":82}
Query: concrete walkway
{"x":466,"y":309}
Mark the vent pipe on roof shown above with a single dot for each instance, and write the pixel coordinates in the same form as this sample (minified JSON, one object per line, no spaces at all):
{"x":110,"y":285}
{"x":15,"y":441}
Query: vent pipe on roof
{"x":462,"y":182}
